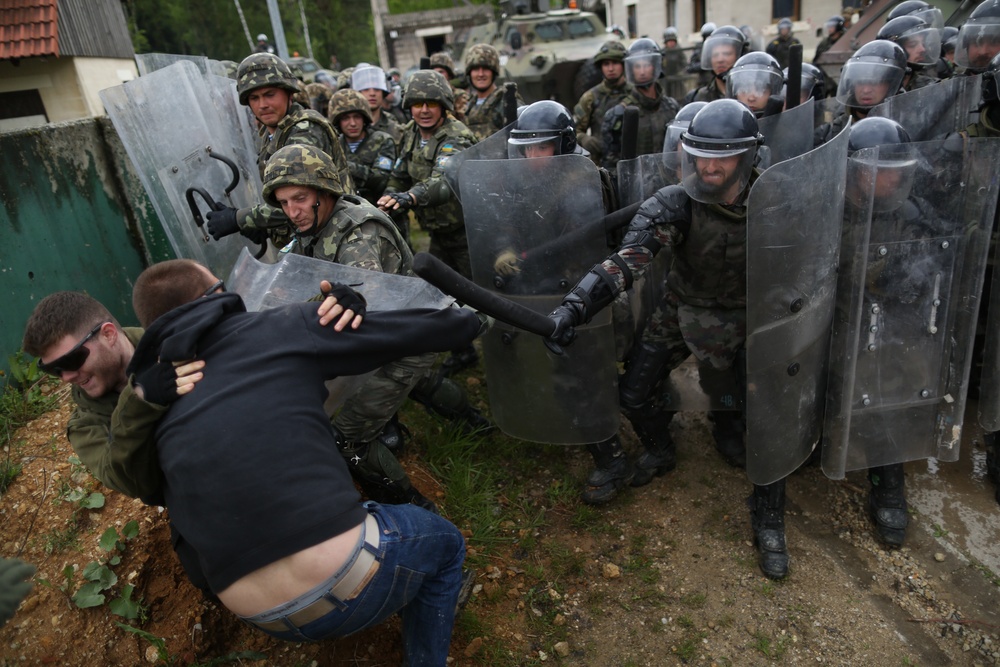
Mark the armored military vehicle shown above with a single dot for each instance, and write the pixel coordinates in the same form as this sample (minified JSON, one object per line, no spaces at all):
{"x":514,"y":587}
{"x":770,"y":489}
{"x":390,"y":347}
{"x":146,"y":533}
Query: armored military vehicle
{"x":546,"y":52}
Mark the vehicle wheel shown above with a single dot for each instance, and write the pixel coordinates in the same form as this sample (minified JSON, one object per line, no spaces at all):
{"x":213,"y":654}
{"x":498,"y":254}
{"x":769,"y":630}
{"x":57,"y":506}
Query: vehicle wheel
{"x":588,"y":76}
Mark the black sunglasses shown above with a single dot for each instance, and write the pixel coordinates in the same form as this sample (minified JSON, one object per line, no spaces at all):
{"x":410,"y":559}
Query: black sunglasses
{"x":72,"y":360}
{"x":221,"y":285}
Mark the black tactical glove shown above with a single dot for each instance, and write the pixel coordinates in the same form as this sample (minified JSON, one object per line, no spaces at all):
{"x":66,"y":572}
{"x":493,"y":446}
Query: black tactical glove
{"x":15,"y":585}
{"x":348,"y":298}
{"x":566,"y":317}
{"x":159,"y":383}
{"x":222,"y":222}
{"x":404,"y":200}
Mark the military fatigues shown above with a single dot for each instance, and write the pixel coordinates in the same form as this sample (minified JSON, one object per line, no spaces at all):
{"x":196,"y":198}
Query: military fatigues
{"x":299,"y":126}
{"x":654,"y":114}
{"x":418,"y":170}
{"x":388,"y":125}
{"x":371,"y":164}
{"x":487,"y":118}
{"x":113,"y":437}
{"x":588,"y":114}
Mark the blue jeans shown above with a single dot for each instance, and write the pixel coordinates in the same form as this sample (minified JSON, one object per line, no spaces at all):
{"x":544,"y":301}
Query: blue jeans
{"x":420,"y":559}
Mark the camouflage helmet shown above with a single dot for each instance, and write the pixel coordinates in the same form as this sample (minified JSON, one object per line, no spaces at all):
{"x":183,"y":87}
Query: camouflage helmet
{"x":344,"y":78}
{"x":426,"y":85}
{"x":319,"y":96}
{"x":443,"y":60}
{"x":346,"y":101}
{"x":482,"y":55}
{"x":299,"y":164}
{"x":611,"y":50}
{"x":263,"y":70}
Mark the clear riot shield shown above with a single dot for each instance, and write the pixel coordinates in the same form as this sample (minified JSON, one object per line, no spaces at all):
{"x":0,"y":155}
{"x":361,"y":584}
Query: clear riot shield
{"x":640,"y":177}
{"x":931,"y":112}
{"x":295,"y":278}
{"x":150,"y":62}
{"x":179,"y":129}
{"x":789,"y":133}
{"x":534,"y":230}
{"x":912,"y":264}
{"x":794,"y":217}
{"x":493,"y":147}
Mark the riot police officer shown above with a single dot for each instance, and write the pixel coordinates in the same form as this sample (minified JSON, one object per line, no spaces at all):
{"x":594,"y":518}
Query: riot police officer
{"x":922,"y":44}
{"x":979,"y":37}
{"x":755,"y":81}
{"x":780,"y":46}
{"x":721,"y":50}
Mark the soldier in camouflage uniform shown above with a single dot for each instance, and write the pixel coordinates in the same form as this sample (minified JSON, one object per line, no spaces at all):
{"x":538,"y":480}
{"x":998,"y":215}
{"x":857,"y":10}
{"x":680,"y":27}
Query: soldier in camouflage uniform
{"x":593,"y":104}
{"x":370,"y":81}
{"x":344,"y":78}
{"x":442,"y":63}
{"x":704,"y":223}
{"x":370,"y":153}
{"x":333,"y":225}
{"x":484,"y":113}
{"x":642,"y":69}
{"x":319,"y":97}
{"x":418,"y":180}
{"x":266,"y":84}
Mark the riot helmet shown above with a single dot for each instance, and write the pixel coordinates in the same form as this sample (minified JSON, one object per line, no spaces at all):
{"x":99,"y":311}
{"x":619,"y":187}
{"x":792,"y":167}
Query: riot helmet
{"x":929,"y":13}
{"x":727,"y":43}
{"x":719,"y":152}
{"x":426,"y":85}
{"x":881,"y":164}
{"x":263,"y":70}
{"x":949,"y":38}
{"x":991,"y":82}
{"x":307,"y":166}
{"x":675,"y":128}
{"x":261,"y":37}
{"x":785,"y":27}
{"x":979,"y":37}
{"x":834,"y":24}
{"x":346,"y":101}
{"x":812,"y":84}
{"x":921,"y":42}
{"x":707,"y":29}
{"x":443,"y":60}
{"x":544,"y":122}
{"x":873,"y":74}
{"x":643,"y":63}
{"x":319,"y":96}
{"x":753,"y":80}
{"x":670,"y":33}
{"x":369,"y":77}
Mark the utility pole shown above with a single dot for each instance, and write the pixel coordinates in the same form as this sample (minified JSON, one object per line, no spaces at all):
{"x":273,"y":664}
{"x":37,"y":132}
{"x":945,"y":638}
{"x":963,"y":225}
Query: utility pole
{"x":378,"y":8}
{"x":279,"y":31}
{"x":305,"y":29}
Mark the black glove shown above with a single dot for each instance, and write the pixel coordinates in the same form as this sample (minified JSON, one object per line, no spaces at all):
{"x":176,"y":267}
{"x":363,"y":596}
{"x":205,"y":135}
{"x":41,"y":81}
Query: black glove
{"x":222,"y":222}
{"x":566,"y":317}
{"x":403,"y":199}
{"x":15,"y":585}
{"x":348,"y":298}
{"x":159,"y":383}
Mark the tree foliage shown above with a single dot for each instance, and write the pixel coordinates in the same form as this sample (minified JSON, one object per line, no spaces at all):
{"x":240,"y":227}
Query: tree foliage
{"x":212,"y":28}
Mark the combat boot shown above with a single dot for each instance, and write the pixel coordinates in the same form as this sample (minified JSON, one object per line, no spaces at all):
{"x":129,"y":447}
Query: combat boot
{"x":379,"y":474}
{"x":727,"y":429}
{"x":660,"y":454}
{"x":887,"y":503}
{"x":393,"y":436}
{"x":614,"y":472}
{"x":447,"y":399}
{"x":767,"y":518}
{"x":459,"y":360}
{"x":992,"y":444}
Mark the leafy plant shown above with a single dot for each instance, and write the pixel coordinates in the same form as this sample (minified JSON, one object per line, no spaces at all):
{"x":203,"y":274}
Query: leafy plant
{"x":100,"y":577}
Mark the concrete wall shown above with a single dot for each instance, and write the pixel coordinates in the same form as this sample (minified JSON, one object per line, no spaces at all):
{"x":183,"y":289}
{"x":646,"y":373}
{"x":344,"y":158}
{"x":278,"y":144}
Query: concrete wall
{"x":74,"y":217}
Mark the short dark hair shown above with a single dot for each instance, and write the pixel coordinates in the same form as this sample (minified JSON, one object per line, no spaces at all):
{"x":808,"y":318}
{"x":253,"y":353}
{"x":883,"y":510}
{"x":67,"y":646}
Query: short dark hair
{"x":62,"y":314}
{"x":167,"y":285}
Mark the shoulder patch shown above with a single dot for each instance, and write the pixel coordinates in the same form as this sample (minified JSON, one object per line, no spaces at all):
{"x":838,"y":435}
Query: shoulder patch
{"x":447,"y":149}
{"x":383,"y":163}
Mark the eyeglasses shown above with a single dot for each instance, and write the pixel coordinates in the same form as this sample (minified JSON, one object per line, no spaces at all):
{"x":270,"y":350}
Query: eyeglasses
{"x":221,"y":285}
{"x":72,"y":360}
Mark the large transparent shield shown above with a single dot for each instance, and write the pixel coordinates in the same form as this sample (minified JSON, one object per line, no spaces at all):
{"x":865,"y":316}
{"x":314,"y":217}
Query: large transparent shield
{"x":794,"y":217}
{"x":789,"y":133}
{"x":150,"y":62}
{"x":295,"y":278}
{"x":534,"y":230}
{"x":493,"y":147}
{"x":911,"y":273}
{"x":640,"y":177}
{"x":931,"y":112}
{"x":184,"y":130}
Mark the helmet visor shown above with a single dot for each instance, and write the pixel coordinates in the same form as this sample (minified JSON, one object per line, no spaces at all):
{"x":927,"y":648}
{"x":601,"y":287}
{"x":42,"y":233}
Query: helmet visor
{"x":884,"y":175}
{"x":867,"y":84}
{"x":922,"y":46}
{"x":932,"y":16}
{"x":753,"y":87}
{"x":643,"y":69}
{"x":533,"y":143}
{"x":978,"y":42}
{"x":715,"y":176}
{"x":720,"y":53}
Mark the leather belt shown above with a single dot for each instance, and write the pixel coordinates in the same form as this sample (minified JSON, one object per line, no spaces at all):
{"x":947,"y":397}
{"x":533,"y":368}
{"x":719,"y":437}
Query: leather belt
{"x":347,"y":587}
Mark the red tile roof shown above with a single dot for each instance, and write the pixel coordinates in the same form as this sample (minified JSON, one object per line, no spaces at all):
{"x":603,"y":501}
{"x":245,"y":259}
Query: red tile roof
{"x":28,"y":28}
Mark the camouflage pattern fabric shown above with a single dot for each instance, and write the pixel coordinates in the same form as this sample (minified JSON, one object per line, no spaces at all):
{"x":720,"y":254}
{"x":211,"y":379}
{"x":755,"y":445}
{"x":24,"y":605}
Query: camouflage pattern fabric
{"x":261,"y":70}
{"x":345,"y":101}
{"x":388,"y":125}
{"x":482,"y":55}
{"x":588,"y":114}
{"x":461,"y":102}
{"x":654,"y":114}
{"x":708,"y":93}
{"x":429,"y":86}
{"x":443,"y":60}
{"x":319,"y":97}
{"x":371,"y":164}
{"x":299,"y":126}
{"x":780,"y":49}
{"x":713,"y":335}
{"x":487,"y":118}
{"x":300,"y":164}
